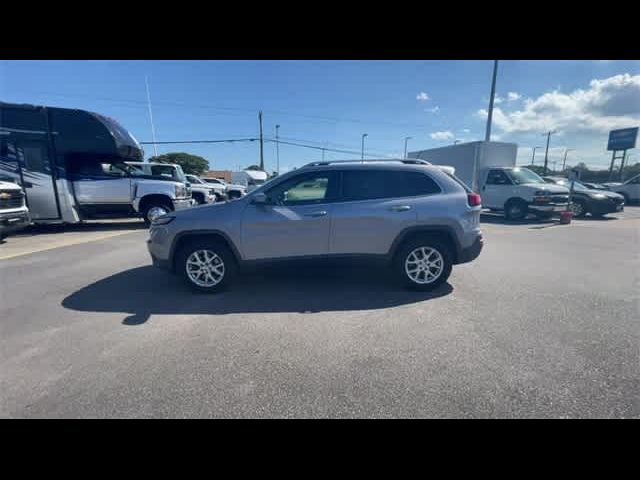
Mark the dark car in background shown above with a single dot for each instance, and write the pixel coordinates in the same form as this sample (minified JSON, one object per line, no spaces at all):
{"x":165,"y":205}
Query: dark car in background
{"x":594,"y":186}
{"x":588,"y":200}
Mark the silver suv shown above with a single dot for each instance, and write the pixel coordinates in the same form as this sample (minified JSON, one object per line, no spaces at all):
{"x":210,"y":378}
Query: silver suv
{"x":416,"y":218}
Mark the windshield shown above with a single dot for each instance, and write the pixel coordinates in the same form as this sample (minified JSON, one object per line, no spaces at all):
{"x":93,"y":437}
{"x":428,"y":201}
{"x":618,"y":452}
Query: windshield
{"x":194,"y":179}
{"x":523,"y":175}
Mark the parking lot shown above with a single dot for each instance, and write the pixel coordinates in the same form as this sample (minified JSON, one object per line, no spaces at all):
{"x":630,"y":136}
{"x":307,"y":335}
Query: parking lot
{"x":543,"y":324}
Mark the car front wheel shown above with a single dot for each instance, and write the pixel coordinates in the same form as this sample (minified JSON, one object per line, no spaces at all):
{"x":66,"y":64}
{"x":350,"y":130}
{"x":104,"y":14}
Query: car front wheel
{"x":423,"y":264}
{"x":206,"y":266}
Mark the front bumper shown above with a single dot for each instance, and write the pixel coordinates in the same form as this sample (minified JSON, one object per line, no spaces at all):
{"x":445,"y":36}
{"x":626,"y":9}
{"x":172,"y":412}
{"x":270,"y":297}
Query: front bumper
{"x":606,"y":206}
{"x":179,"y":204}
{"x":549,"y":208}
{"x":471,"y":253}
{"x":11,"y":222}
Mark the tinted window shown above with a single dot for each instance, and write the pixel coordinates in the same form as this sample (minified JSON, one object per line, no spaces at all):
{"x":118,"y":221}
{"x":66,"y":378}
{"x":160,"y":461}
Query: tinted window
{"x":23,"y":119}
{"x":371,"y":184}
{"x":303,"y":189}
{"x":497,"y":177}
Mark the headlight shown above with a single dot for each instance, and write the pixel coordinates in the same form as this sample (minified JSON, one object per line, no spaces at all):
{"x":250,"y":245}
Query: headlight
{"x":162,"y":220}
{"x":598,"y":196}
{"x":180,"y":191}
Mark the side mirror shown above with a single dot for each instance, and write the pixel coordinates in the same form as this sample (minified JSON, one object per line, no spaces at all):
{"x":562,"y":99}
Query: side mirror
{"x":260,"y":199}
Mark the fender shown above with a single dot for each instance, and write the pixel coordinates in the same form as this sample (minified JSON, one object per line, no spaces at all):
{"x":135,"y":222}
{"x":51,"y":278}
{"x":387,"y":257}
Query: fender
{"x":446,"y":229}
{"x":178,"y":237}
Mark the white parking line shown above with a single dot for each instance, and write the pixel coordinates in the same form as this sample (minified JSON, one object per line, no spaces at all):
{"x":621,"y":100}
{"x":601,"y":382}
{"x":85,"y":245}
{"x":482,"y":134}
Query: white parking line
{"x":16,"y":251}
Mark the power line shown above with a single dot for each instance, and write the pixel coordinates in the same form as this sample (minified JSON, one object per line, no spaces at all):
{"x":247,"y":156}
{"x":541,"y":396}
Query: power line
{"x":230,"y":140}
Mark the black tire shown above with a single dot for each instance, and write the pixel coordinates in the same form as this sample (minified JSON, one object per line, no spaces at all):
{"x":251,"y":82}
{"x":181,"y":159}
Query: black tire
{"x":516,"y":210}
{"x":152,"y":204}
{"x":580,"y":209}
{"x":216,"y":247}
{"x":198,"y":197}
{"x":233,"y":195}
{"x":218,"y":197}
{"x":405,"y":250}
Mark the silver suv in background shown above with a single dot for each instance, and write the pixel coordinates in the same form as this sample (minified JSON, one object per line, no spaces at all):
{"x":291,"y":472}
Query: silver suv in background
{"x":416,"y":218}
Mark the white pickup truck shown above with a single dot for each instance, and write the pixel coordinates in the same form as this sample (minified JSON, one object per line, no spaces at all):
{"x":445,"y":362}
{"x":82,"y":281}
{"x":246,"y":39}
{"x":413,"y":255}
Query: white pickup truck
{"x":490,"y":169}
{"x":14,"y":213}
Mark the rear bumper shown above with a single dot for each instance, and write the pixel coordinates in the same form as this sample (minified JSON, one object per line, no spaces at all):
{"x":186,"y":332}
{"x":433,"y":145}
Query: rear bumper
{"x":471,"y":253}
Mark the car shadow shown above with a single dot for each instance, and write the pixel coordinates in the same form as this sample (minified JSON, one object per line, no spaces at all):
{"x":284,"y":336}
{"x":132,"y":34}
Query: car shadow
{"x":91,"y":226}
{"x":145,"y":291}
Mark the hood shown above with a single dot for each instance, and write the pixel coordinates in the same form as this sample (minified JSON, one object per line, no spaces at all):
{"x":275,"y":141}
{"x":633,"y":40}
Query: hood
{"x":606,"y":193}
{"x":546,"y":187}
{"x":9,"y":186}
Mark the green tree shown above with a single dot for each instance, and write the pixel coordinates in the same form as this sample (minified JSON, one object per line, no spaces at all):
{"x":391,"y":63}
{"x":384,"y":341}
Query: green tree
{"x":191,"y":164}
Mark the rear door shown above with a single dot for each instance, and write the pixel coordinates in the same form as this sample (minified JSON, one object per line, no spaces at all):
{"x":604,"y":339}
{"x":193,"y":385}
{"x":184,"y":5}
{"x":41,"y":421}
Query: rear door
{"x":374,"y":207}
{"x":497,"y":189}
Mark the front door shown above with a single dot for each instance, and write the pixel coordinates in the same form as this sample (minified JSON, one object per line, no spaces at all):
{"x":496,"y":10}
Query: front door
{"x":295,"y":223}
{"x":497,"y":189}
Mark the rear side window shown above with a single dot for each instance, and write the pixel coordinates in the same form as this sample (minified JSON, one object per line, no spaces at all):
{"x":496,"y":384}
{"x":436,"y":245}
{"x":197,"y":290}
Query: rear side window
{"x":372,"y":184}
{"x":460,"y":182}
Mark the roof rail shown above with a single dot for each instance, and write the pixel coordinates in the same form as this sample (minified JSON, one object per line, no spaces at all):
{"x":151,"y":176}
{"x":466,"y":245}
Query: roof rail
{"x":408,"y":161}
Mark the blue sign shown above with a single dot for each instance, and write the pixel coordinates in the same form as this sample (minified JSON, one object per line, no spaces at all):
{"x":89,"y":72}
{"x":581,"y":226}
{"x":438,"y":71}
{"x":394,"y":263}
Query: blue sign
{"x":622,"y":139}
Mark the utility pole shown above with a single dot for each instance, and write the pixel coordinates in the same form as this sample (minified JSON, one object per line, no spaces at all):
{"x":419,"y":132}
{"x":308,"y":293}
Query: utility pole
{"x":363,"y":137}
{"x":487,"y":137}
{"x":153,"y":130}
{"x":533,"y":157}
{"x":564,"y":161}
{"x":277,"y":150}
{"x":406,"y":140}
{"x":261,"y":142}
{"x":546,"y":152}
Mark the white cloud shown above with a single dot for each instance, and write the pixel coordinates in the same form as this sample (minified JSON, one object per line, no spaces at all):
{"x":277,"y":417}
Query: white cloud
{"x":609,"y":103}
{"x":513,"y":96}
{"x":422,"y":96}
{"x":465,"y":130}
{"x":497,"y":100}
{"x":435,"y":109}
{"x":446,"y":135}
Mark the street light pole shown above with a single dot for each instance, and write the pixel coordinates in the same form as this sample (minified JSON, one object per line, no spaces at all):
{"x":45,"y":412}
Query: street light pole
{"x":533,"y":157}
{"x":546,"y":152}
{"x":564,"y":161}
{"x":406,"y":139}
{"x":363,"y":137}
{"x":277,"y":150}
{"x":487,"y":137}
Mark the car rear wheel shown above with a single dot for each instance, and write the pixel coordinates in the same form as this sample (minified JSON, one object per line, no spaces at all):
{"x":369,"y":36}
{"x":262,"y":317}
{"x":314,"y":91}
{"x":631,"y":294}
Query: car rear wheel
{"x":206,"y":266}
{"x":423,"y":264}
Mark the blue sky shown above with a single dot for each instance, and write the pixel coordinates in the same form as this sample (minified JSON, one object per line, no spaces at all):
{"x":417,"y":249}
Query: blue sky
{"x":435,"y":102}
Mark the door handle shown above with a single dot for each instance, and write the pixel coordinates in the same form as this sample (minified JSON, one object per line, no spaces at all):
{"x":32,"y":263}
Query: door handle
{"x":400,"y":208}
{"x":321,"y":213}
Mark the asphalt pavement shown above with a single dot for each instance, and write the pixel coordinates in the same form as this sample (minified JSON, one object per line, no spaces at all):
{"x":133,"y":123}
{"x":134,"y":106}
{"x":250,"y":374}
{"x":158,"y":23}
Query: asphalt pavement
{"x":544,"y":324}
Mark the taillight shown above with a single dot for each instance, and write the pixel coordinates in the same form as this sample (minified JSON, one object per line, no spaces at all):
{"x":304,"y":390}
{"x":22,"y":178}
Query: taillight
{"x":474,"y":199}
